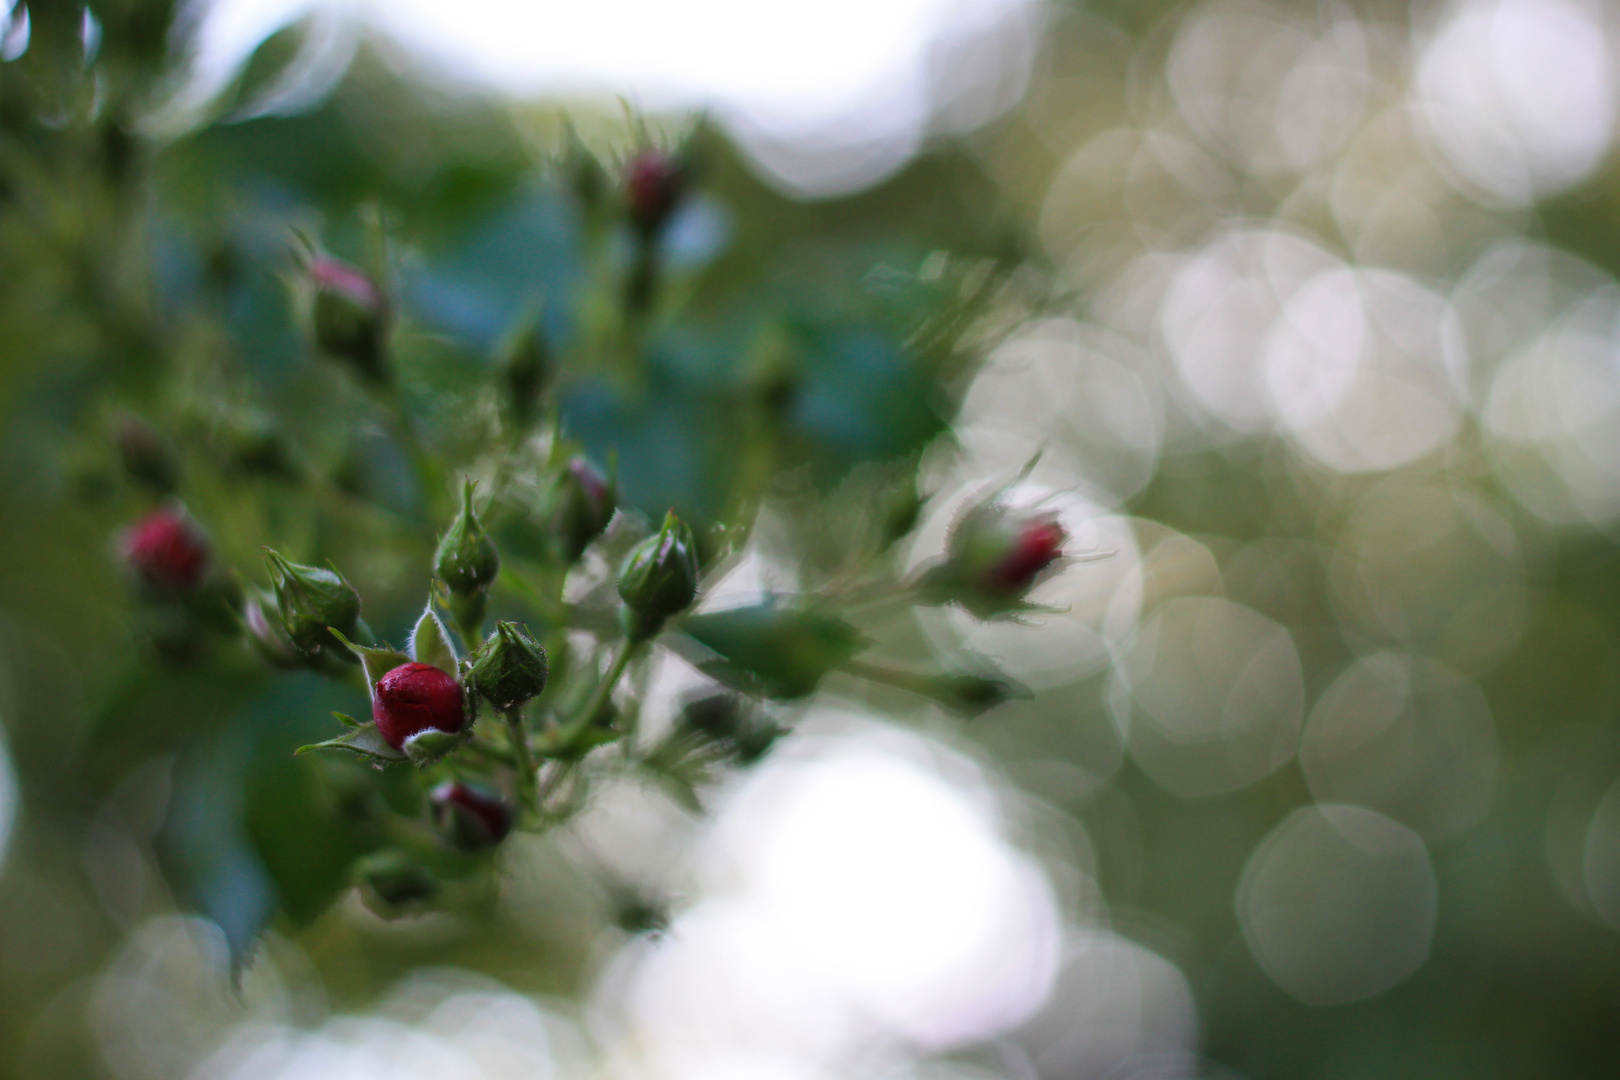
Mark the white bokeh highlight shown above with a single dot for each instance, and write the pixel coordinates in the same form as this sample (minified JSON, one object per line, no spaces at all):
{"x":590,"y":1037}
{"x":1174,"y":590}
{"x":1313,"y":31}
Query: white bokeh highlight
{"x":825,"y":98}
{"x":1520,"y":95}
{"x":1338,"y":903}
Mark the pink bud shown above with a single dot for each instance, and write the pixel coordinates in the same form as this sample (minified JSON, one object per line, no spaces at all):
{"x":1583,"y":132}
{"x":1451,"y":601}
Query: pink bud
{"x":414,"y":698}
{"x":166,"y":551}
{"x":347,"y":281}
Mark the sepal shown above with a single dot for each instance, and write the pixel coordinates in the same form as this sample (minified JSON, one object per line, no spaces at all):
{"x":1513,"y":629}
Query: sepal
{"x":362,"y":739}
{"x":430,"y":644}
{"x":377,"y":662}
{"x":431,"y":745}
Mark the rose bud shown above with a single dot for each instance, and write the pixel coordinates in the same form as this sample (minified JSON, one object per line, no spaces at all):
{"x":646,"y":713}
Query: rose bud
{"x":467,"y":561}
{"x":654,"y":184}
{"x":993,"y":557}
{"x":659,"y":578}
{"x":471,"y":818}
{"x":510,"y":669}
{"x":312,"y":599}
{"x":719,"y":716}
{"x":392,"y":879}
{"x":166,"y":552}
{"x":267,"y":637}
{"x":526,"y":368}
{"x":414,"y":698}
{"x":1038,"y":544}
{"x":582,"y":505}
{"x":351,"y":316}
{"x":146,"y":457}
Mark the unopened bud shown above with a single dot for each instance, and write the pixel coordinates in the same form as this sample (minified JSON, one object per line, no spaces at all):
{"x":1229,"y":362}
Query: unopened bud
{"x":351,"y":316}
{"x":267,"y":637}
{"x":510,"y":669}
{"x":654,"y":184}
{"x":467,"y":561}
{"x":413,"y":699}
{"x":312,"y":599}
{"x":719,"y":716}
{"x":582,"y":505}
{"x":659,"y":578}
{"x":525,"y":370}
{"x":392,"y":879}
{"x":470,"y":817}
{"x":167,"y":553}
{"x":994,"y":555}
{"x":145,"y":455}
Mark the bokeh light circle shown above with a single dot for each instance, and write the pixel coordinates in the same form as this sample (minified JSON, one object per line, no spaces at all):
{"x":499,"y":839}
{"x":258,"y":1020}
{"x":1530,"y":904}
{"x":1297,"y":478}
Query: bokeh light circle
{"x":1338,"y":903}
{"x":1209,"y":695}
{"x":1405,"y":736}
{"x":1520,"y":94}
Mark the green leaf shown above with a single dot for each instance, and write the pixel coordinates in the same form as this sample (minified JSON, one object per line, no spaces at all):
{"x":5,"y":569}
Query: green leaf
{"x":780,"y":650}
{"x":377,"y":662}
{"x":364,"y":740}
{"x":430,"y":644}
{"x":346,"y":720}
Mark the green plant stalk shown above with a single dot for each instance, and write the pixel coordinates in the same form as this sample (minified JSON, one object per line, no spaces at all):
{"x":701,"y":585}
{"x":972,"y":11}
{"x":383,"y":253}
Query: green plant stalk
{"x":524,"y":758}
{"x":604,"y":689}
{"x":915,"y":682}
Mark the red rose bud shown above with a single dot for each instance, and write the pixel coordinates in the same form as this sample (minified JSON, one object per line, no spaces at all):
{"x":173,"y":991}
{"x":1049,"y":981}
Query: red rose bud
{"x":166,"y":552}
{"x":1039,"y":544}
{"x":351,"y":316}
{"x":470,"y":818}
{"x":653,"y":187}
{"x":993,"y":557}
{"x":414,"y":698}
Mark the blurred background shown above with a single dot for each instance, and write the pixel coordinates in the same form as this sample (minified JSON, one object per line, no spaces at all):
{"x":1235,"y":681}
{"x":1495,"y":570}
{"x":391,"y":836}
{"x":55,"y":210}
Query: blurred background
{"x":1311,"y":311}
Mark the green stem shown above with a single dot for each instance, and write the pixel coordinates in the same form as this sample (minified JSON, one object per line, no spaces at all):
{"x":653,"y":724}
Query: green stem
{"x":525,"y":759}
{"x":554,"y":778}
{"x":915,"y":682}
{"x":599,"y":697}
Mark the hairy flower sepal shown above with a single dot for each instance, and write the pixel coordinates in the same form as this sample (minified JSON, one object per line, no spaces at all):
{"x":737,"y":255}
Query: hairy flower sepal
{"x":659,"y":578}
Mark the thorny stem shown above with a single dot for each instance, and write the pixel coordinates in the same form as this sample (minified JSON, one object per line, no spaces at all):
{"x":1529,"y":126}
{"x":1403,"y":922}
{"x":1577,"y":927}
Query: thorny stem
{"x":520,"y":750}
